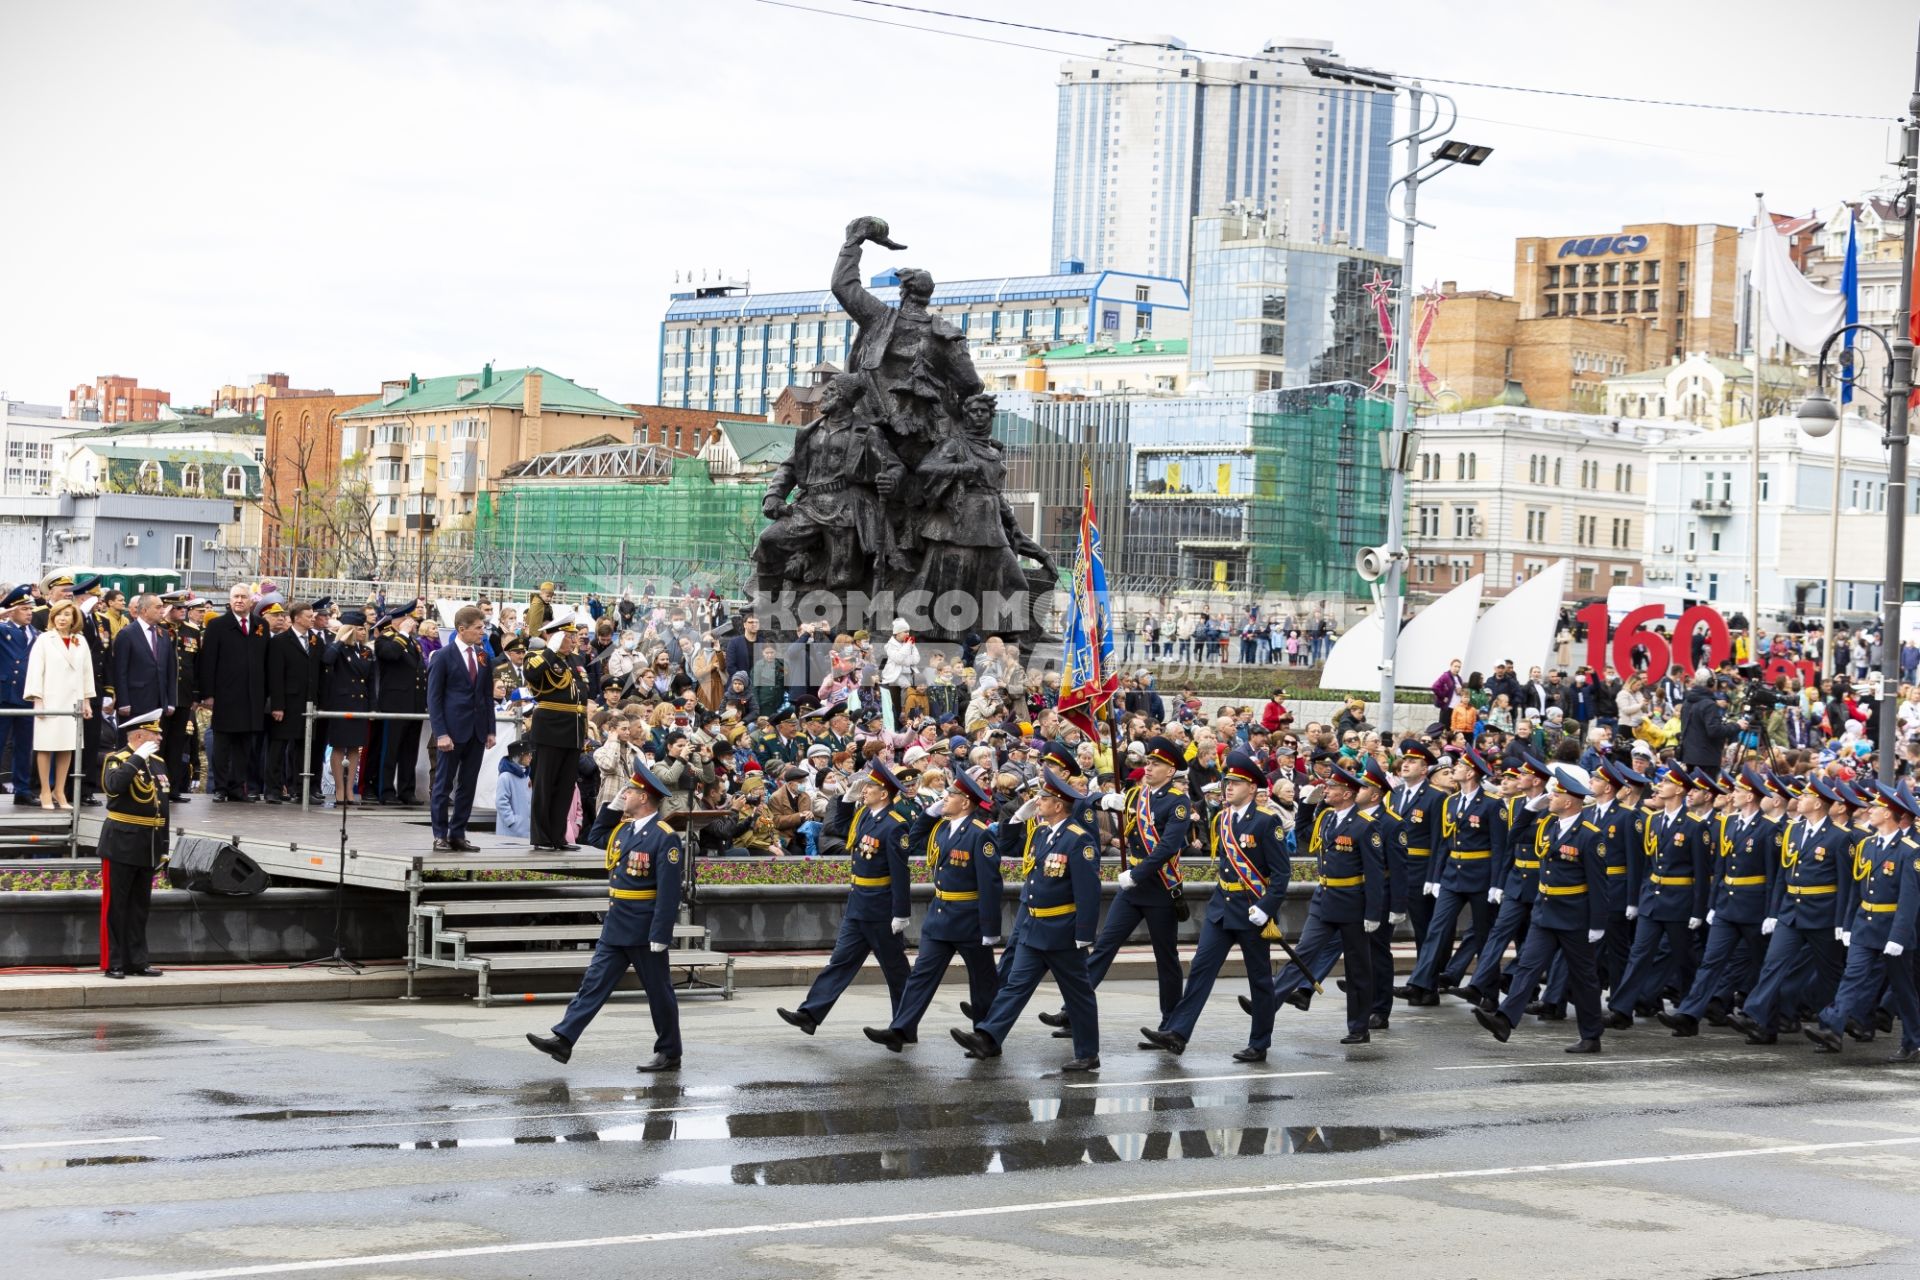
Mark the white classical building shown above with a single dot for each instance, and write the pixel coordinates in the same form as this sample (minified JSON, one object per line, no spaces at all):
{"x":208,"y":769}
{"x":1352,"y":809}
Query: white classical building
{"x":29,"y":437}
{"x":1508,"y":491}
{"x":1699,"y":518}
{"x":1711,"y":391}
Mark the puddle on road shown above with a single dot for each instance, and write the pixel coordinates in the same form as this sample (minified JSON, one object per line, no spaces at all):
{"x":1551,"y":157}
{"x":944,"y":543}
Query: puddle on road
{"x":41,"y":1164}
{"x":1022,"y":1155}
{"x":107,"y":1037}
{"x":296,"y":1114}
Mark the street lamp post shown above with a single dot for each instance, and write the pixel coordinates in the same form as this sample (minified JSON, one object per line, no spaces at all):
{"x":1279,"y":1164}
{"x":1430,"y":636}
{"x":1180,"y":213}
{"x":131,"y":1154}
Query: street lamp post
{"x":1420,"y":131}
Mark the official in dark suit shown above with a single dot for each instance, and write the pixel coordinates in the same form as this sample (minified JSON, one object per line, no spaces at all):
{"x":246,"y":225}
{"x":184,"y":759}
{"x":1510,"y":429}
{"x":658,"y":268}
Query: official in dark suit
{"x":402,"y":688}
{"x":16,"y":641}
{"x":142,"y":662}
{"x":133,"y":841}
{"x":293,"y":683}
{"x":460,"y":715}
{"x":645,"y":866}
{"x":233,"y":680}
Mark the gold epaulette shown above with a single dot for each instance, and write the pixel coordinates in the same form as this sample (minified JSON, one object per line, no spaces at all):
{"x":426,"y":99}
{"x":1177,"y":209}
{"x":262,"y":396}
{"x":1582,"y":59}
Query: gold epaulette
{"x":1590,"y":827}
{"x":1076,"y":829}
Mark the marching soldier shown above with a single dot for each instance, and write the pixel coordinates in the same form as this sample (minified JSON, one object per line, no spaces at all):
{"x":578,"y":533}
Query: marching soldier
{"x":1739,"y":897}
{"x":965,"y":915}
{"x":1458,"y":875}
{"x":16,"y":641}
{"x":1154,"y":822}
{"x":1415,"y":806}
{"x":1570,"y":917}
{"x":1349,"y":902}
{"x":402,"y":689}
{"x":1673,"y":900}
{"x":1251,"y":876}
{"x":1516,"y":877}
{"x":1881,"y":931}
{"x":1062,"y":899}
{"x":1804,"y":920}
{"x":879,"y":902}
{"x":133,"y":845}
{"x":644,"y":873}
{"x":558,"y":733}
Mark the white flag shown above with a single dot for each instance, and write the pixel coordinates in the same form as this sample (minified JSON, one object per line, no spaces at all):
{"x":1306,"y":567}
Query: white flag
{"x":1796,"y":308}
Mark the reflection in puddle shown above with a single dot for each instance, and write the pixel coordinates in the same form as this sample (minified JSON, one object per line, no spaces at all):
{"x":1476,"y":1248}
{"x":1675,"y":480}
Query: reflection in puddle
{"x":107,"y":1037}
{"x":294,"y":1114}
{"x":949,"y":1161}
{"x":67,"y":1162}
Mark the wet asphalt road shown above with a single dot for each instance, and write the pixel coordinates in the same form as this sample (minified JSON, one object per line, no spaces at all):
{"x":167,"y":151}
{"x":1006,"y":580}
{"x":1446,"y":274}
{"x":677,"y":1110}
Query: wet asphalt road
{"x":389,"y":1141}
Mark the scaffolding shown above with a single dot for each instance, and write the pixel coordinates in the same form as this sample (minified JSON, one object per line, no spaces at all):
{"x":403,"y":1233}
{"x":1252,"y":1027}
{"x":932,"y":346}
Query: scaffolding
{"x":1319,"y":490}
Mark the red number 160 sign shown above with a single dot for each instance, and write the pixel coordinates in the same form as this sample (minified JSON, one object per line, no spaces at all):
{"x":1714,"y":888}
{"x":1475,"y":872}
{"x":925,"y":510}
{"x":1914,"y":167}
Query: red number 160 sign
{"x":1632,"y":636}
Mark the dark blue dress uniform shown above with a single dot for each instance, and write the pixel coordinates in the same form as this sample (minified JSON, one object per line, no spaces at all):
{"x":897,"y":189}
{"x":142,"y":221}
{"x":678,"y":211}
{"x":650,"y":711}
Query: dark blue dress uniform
{"x":1061,"y":897}
{"x":402,"y":688}
{"x":1677,"y":848}
{"x":1154,"y":834}
{"x":1251,"y":871}
{"x":645,"y":870}
{"x":1815,"y":856}
{"x":557,"y":729}
{"x":16,"y":639}
{"x":1516,"y":873}
{"x":1571,"y":909}
{"x":1350,"y":856}
{"x":1886,"y":883}
{"x":967,"y":892}
{"x":1058,"y":756}
{"x":1739,"y":899}
{"x":133,"y":844}
{"x":1462,"y":872}
{"x":881,"y":893}
{"x":1415,"y":811}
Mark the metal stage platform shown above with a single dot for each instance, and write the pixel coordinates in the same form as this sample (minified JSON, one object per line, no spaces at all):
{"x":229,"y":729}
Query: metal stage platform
{"x":454,"y":921}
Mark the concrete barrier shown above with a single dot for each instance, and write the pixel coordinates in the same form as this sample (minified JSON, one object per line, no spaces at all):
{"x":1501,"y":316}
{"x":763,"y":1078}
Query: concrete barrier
{"x":62,"y":927}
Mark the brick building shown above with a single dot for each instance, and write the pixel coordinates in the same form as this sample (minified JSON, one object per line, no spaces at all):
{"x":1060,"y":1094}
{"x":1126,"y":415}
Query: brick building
{"x":1486,"y":352}
{"x":681,"y":432}
{"x":1681,"y":280}
{"x":253,"y":397}
{"x":303,"y":457}
{"x":112,"y":398}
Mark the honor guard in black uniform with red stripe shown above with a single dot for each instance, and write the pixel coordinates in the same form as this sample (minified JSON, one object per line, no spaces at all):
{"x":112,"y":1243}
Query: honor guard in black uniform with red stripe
{"x":557,"y":731}
{"x":133,"y":845}
{"x":645,"y":869}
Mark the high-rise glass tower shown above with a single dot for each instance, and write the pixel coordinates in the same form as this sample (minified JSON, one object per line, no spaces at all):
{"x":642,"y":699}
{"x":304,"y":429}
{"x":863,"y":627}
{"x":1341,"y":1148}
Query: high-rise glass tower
{"x":1151,"y":136}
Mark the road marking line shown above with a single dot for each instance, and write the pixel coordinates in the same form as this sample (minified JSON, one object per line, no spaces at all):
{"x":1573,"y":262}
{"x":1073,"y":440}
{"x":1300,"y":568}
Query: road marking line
{"x":550,"y":1115}
{"x":1565,"y":1062}
{"x":1254,"y":1075}
{"x":75,"y":1142}
{"x":1008,"y":1210}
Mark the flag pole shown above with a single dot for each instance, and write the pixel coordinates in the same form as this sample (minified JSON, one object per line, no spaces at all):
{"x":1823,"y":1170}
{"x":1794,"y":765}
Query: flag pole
{"x":1761,"y":226}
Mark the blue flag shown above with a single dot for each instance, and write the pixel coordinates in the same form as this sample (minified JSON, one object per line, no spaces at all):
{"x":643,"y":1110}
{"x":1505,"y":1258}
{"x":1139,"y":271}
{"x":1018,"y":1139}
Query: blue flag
{"x":1850,"y":288}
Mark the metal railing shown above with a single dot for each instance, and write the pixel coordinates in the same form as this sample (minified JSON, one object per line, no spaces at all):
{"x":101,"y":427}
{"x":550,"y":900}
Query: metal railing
{"x":74,"y":780}
{"x":307,"y":779}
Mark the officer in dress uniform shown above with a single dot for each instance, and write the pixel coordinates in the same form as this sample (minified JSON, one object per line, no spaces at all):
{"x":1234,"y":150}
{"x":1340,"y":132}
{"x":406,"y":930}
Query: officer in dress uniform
{"x":1881,"y":931}
{"x":1570,"y":917}
{"x":1459,"y":873}
{"x":86,"y":590}
{"x":1739,"y":898}
{"x":557,"y":731}
{"x":1616,"y":811}
{"x":965,"y":914}
{"x":402,"y":688}
{"x":879,"y":902}
{"x":177,"y":729}
{"x":1414,"y":806}
{"x":1062,"y":900}
{"x":1673,"y":900}
{"x":1154,"y":818}
{"x":133,"y":844}
{"x":1515,"y":877}
{"x":1251,"y":873}
{"x":644,"y":871}
{"x":16,"y":640}
{"x":1062,"y":759}
{"x":1803,"y":921}
{"x":1350,"y":901}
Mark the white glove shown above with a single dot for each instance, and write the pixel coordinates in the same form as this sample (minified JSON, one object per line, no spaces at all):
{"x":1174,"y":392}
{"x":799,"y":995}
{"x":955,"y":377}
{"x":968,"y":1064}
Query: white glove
{"x":990,"y":942}
{"x":1025,"y":811}
{"x":1892,"y":949}
{"x":1431,"y":889}
{"x":1494,"y":895}
{"x":1594,"y":935}
{"x":1839,"y":935}
{"x":1633,"y":913}
{"x":656,"y":946}
{"x":1124,"y":879}
{"x":1846,"y":937}
{"x":1709,"y":917}
{"x":1693,"y":922}
{"x":1767,"y":926}
{"x":1396,"y":917}
{"x":1257,"y":916}
{"x":1113,"y":801}
{"x":900,"y":924}
{"x":146,"y":749}
{"x":1369,"y":925}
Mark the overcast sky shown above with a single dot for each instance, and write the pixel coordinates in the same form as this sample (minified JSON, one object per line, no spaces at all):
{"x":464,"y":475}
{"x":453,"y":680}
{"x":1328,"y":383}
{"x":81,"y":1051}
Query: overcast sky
{"x":198,"y":192}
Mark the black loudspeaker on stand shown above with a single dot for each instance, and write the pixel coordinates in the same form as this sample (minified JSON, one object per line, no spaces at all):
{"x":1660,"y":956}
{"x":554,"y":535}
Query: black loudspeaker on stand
{"x":205,"y":864}
{"x":337,"y":958}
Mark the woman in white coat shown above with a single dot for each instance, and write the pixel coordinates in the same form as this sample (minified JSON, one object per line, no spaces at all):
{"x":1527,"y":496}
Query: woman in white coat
{"x":59,"y":678}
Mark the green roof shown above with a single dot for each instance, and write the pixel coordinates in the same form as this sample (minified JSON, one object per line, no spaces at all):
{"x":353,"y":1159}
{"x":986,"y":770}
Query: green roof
{"x":505,"y":388}
{"x":1119,"y":350}
{"x":124,"y":462}
{"x":758,"y":443}
{"x":241,"y":425}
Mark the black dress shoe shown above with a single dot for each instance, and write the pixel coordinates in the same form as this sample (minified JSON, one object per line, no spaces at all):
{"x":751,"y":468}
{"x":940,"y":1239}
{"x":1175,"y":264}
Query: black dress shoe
{"x":443,"y":846}
{"x":966,"y":1011}
{"x":1355,"y":1037}
{"x":27,"y":800}
{"x":1053,"y":1019}
{"x":1681,"y":1024}
{"x":978,"y":1044}
{"x":1905,"y":1055}
{"x":799,"y":1020}
{"x":1858,"y":1032}
{"x":1342,"y":984}
{"x":182,"y":798}
{"x":1583,"y":1046}
{"x":1535,"y":1007}
{"x":1552,"y":1013}
{"x":1246,"y":1005}
{"x":659,"y":1062}
{"x":464,"y":846}
{"x":1250,"y":1054}
{"x":1300,"y":998}
{"x":1823,"y":1039}
{"x":1403,"y":993}
{"x":1066,"y":1033}
{"x":1496,"y":1024}
{"x":1377,"y":1022}
{"x":1752,"y":1030}
{"x":1883,"y":1020}
{"x":1167,"y":1040}
{"x":148,"y":972}
{"x":1421,"y":998}
{"x":1618,"y":1021}
{"x":894,"y":1040}
{"x":1469,"y":993}
{"x":113,"y":973}
{"x":568,"y":848}
{"x":276,"y":799}
{"x":1082,"y":1064}
{"x":553,"y":1046}
{"x":89,"y":802}
{"x":1716,"y":1014}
